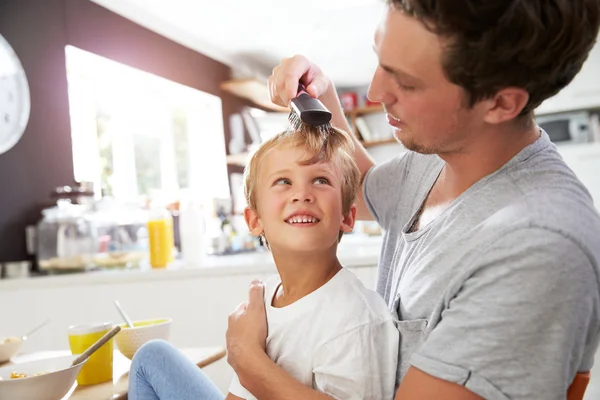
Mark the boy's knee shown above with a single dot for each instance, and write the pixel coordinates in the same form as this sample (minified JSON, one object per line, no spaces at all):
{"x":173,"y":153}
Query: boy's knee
{"x":151,"y":350}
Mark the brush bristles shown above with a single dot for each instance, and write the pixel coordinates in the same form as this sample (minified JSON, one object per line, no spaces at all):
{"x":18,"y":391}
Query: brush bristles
{"x":297,"y":123}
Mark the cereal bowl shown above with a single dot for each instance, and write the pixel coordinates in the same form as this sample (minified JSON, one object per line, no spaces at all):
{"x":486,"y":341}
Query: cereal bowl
{"x":9,"y":347}
{"x":46,"y":379}
{"x":129,"y":340}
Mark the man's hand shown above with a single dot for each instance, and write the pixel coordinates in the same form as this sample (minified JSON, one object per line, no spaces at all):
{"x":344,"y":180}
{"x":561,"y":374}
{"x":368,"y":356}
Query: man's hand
{"x":247,"y":329}
{"x":283,"y":82}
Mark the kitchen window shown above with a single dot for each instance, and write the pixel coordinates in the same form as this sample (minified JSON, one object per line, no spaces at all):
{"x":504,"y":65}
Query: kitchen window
{"x":138,"y":136}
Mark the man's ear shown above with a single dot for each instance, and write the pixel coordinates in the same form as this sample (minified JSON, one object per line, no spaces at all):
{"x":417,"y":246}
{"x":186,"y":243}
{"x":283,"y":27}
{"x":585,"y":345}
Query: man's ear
{"x":348,"y":221}
{"x":253,"y":221}
{"x":506,"y":105}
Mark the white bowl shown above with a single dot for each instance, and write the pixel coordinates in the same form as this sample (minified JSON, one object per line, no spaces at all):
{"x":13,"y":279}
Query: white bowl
{"x":9,"y":347}
{"x":129,"y":340}
{"x":59,"y":377}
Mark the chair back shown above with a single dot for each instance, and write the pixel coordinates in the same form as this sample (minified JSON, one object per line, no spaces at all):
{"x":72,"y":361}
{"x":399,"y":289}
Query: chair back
{"x":578,"y":386}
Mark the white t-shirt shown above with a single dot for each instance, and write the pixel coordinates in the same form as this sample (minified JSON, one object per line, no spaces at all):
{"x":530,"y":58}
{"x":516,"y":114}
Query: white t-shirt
{"x":340,"y":339}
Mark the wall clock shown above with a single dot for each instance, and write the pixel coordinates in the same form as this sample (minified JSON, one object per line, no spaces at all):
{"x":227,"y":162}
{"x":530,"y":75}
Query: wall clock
{"x":15,"y":102}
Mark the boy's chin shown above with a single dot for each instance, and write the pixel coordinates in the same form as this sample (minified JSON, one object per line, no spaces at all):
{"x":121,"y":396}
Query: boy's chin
{"x":305,"y":246}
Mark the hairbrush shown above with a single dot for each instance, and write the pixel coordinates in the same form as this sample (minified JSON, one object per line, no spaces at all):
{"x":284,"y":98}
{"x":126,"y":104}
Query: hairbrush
{"x":308,"y":110}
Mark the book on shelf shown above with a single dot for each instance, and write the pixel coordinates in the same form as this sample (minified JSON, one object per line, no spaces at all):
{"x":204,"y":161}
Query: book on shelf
{"x":363,"y":129}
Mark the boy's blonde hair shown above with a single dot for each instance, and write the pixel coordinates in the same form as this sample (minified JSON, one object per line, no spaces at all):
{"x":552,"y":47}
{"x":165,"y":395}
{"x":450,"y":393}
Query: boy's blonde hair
{"x":322,"y":145}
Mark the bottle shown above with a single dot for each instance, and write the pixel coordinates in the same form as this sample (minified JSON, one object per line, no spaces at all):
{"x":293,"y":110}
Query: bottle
{"x":192,"y":232}
{"x":160,"y":237}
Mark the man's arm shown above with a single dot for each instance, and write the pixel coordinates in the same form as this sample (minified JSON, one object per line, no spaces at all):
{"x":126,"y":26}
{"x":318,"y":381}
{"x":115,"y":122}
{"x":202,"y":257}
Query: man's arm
{"x":420,"y":385}
{"x":266,"y":380}
{"x":363,"y":159}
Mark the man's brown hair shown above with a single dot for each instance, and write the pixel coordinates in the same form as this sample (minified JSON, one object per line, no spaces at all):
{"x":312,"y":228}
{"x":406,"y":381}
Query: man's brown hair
{"x":537,"y":45}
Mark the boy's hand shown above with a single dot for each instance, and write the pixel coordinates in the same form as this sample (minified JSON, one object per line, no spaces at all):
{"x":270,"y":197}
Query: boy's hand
{"x":247,"y":329}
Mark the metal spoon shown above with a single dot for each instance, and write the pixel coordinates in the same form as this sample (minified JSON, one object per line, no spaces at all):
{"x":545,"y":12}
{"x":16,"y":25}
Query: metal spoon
{"x":123,"y":314}
{"x":31,"y":332}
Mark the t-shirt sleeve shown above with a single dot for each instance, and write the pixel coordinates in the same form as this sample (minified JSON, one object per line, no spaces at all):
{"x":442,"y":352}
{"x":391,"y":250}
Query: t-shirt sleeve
{"x":360,"y":364}
{"x":238,"y":390}
{"x":381,"y":187}
{"x":522,"y":325}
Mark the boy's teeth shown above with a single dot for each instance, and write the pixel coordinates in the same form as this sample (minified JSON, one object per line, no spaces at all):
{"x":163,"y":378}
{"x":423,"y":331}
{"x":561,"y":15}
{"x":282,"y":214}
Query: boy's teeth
{"x":301,"y":219}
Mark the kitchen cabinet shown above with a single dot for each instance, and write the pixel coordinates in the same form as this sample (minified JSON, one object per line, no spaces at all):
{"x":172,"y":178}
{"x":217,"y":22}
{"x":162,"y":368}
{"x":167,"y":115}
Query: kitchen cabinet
{"x":582,"y":93}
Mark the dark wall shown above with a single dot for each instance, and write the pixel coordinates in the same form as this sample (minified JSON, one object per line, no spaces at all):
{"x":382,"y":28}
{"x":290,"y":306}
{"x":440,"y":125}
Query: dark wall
{"x":38,"y":31}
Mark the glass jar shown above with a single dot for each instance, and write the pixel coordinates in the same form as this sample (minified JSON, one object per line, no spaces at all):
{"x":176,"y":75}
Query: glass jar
{"x":66,"y":238}
{"x":122,"y":235}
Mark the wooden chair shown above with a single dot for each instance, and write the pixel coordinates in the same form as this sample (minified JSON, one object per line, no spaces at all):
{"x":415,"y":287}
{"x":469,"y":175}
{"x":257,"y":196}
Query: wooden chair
{"x":578,"y":386}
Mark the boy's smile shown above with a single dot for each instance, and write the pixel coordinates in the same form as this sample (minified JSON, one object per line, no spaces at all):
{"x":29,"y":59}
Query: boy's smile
{"x":302,"y":218}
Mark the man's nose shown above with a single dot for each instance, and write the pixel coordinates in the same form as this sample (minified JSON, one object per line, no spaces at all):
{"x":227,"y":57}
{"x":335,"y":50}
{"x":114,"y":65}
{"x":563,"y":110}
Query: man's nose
{"x":379,"y":89}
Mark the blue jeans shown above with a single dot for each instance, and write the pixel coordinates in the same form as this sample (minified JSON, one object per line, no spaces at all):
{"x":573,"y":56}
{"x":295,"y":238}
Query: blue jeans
{"x":160,"y":372}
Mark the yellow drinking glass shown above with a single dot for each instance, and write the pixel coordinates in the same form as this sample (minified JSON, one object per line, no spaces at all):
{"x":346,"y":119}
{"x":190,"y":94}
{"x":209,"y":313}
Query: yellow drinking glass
{"x":99,"y":367}
{"x":160,"y":235}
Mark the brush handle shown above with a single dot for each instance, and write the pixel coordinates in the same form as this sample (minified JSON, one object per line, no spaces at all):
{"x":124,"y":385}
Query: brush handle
{"x":109,"y":335}
{"x":301,"y":89}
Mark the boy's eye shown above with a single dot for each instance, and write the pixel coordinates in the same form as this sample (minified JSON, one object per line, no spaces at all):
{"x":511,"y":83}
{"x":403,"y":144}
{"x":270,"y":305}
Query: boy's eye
{"x":321,"y":181}
{"x":282,"y":181}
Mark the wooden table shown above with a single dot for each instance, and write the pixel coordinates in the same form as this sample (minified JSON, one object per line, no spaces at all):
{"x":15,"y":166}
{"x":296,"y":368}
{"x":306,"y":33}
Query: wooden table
{"x":117,"y":389}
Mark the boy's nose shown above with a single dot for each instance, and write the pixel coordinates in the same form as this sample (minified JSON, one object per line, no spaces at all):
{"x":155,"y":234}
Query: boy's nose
{"x":303,"y":196}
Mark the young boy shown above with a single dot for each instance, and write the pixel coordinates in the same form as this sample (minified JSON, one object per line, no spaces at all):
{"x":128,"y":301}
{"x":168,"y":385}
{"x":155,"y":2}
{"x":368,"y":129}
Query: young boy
{"x":324,"y":327}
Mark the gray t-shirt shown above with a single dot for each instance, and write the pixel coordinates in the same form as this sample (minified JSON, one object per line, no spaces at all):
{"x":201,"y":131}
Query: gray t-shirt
{"x":500,"y":293}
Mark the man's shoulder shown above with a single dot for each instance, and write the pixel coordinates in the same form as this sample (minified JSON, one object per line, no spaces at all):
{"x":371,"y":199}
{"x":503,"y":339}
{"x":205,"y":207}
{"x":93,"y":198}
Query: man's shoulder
{"x":408,"y":163}
{"x":544,"y":194}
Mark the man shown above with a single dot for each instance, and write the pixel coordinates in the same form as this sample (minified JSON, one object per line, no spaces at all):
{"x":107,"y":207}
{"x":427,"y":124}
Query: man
{"x":491,"y":255}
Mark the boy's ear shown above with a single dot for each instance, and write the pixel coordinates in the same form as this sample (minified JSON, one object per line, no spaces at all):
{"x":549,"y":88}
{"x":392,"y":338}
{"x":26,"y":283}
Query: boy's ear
{"x":348,"y":221}
{"x":253,"y":221}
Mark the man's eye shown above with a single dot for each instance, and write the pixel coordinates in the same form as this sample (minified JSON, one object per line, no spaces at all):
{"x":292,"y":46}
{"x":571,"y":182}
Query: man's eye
{"x":282,"y":181}
{"x":405,"y":87}
{"x":321,"y":181}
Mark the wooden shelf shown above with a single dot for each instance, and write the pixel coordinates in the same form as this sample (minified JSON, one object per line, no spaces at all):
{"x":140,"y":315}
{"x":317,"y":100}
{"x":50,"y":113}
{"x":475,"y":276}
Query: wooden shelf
{"x":253,"y":90}
{"x":357,"y":112}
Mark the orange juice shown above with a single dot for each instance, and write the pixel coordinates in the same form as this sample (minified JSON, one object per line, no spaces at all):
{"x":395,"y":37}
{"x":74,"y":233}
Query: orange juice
{"x":161,"y":241}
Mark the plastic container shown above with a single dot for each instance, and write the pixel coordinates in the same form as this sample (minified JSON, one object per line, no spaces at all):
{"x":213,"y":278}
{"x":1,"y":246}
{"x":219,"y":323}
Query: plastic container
{"x":192,"y":232}
{"x":160,"y":237}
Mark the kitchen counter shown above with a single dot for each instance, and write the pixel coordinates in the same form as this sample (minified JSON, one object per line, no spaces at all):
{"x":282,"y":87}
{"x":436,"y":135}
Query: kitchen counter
{"x":355,"y":251}
{"x":197,"y":299}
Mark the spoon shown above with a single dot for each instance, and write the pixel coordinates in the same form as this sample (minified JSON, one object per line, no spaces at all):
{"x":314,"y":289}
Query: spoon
{"x":99,"y":343}
{"x":123,"y":314}
{"x":31,"y":332}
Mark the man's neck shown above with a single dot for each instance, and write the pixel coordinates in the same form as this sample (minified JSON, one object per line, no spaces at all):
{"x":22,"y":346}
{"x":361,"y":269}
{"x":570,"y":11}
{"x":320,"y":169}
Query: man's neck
{"x":487,"y":153}
{"x":303,"y":273}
